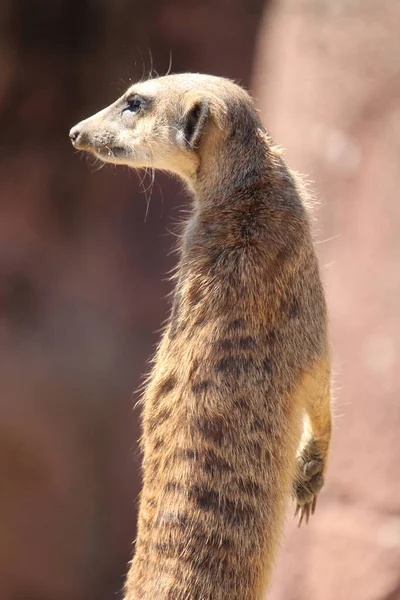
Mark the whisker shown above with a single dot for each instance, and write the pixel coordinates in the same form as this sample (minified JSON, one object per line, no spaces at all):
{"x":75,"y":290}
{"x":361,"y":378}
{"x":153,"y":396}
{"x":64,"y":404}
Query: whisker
{"x":144,"y":190}
{"x":143,"y":65}
{"x":151,"y":64}
{"x":170,"y":63}
{"x":152,"y":69}
{"x":334,"y":237}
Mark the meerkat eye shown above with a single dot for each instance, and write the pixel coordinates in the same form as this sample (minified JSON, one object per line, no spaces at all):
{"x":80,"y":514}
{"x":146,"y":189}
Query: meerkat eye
{"x":134,"y":104}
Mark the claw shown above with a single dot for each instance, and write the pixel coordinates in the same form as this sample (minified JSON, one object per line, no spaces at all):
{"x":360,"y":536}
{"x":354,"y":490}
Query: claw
{"x":301,"y":517}
{"x":307,"y":510}
{"x":314,"y":504}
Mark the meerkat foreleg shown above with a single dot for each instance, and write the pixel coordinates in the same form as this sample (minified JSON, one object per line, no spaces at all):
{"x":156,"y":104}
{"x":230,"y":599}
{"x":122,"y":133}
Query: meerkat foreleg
{"x":312,"y":459}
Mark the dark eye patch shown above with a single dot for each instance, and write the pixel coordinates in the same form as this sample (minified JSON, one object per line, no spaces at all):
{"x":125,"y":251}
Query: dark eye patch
{"x":134,"y":103}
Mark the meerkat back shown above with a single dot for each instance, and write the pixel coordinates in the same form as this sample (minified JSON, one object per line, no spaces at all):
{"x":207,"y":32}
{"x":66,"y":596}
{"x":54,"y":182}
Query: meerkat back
{"x":244,"y":357}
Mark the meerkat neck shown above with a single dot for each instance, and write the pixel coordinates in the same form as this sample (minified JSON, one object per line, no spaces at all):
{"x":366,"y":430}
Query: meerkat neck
{"x":230,"y":166}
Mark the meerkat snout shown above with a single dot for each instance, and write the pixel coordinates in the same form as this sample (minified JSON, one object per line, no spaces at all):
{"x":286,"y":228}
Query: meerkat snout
{"x":81,"y":137}
{"x":74,"y":134}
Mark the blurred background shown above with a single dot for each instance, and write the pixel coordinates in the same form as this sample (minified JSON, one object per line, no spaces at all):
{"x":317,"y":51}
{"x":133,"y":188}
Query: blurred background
{"x":83,"y":275}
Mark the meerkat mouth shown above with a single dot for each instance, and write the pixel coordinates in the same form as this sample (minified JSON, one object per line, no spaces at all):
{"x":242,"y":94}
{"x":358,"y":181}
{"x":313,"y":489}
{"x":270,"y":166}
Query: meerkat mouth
{"x":112,"y":150}
{"x":109,"y":153}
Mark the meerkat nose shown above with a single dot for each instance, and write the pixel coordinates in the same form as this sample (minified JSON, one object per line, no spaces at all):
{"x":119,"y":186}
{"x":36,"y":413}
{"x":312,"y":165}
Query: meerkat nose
{"x":74,"y":134}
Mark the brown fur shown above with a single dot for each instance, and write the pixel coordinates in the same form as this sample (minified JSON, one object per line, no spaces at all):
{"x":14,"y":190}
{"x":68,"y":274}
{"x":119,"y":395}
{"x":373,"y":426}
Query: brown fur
{"x":244,"y":356}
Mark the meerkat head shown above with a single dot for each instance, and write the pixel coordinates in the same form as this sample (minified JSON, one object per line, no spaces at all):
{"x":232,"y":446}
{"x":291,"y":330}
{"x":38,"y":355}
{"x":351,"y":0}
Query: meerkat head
{"x":167,"y":123}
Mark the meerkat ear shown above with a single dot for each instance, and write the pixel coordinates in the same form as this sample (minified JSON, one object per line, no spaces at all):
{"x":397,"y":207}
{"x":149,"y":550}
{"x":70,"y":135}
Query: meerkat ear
{"x":194,"y":123}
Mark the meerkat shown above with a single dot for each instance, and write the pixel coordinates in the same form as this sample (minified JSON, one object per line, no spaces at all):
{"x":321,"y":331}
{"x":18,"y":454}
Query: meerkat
{"x":244,"y":358}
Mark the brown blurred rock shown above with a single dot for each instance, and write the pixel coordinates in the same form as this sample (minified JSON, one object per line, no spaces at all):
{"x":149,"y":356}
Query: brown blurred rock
{"x":328,"y":79}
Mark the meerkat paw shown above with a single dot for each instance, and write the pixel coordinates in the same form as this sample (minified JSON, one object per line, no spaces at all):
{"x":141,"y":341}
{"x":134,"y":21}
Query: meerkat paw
{"x":309,"y":481}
